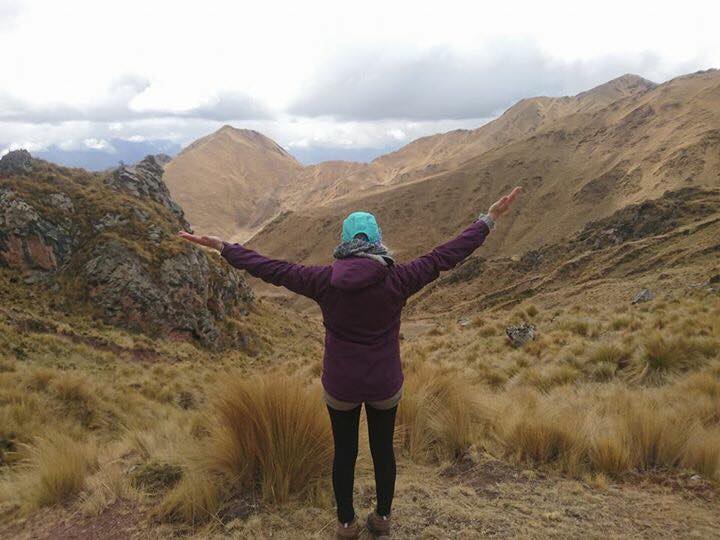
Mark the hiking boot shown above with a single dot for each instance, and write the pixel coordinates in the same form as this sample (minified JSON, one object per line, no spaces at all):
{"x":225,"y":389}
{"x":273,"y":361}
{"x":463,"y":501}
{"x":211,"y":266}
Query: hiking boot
{"x":347,"y":531}
{"x":379,"y":526}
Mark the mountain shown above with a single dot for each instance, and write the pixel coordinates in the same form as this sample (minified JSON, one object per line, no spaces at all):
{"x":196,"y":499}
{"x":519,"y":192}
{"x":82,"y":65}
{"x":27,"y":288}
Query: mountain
{"x":234,"y":181}
{"x":580,"y":159}
{"x":229,"y":182}
{"x":104,"y":246}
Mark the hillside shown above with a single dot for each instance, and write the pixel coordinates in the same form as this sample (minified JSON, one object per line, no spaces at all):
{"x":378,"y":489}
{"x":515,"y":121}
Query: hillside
{"x":579,"y":167}
{"x":669,"y":243}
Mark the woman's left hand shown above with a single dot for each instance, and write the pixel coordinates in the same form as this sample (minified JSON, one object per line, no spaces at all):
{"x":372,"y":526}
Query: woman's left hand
{"x":212,"y":242}
{"x":500,"y":207}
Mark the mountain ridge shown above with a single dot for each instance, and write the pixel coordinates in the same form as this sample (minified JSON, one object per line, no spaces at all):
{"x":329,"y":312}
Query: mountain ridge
{"x":582,"y":167}
{"x":238,"y":207}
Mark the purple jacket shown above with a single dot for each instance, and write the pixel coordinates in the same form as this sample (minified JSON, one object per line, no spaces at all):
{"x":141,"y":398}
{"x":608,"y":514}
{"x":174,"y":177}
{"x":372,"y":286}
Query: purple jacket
{"x":361,"y":300}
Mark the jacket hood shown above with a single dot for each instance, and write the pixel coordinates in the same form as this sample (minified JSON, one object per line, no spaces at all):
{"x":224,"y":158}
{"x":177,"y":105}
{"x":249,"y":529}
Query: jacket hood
{"x":355,"y":273}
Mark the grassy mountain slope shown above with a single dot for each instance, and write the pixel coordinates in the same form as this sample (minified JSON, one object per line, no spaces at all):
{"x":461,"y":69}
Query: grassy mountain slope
{"x":229,"y":181}
{"x":576,"y":169}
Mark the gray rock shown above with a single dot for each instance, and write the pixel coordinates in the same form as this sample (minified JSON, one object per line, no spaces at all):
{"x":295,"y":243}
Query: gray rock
{"x":644,"y":295}
{"x":141,"y":214}
{"x":520,"y":334}
{"x":154,"y":234}
{"x":145,"y":180}
{"x":61,"y":201}
{"x":16,"y":162}
{"x":109,"y":221}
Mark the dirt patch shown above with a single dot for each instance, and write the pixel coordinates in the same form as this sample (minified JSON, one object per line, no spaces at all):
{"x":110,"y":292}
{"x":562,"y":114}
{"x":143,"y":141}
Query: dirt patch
{"x":120,"y":521}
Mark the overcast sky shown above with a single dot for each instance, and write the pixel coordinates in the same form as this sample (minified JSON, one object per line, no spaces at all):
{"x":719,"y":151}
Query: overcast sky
{"x":327,"y":76}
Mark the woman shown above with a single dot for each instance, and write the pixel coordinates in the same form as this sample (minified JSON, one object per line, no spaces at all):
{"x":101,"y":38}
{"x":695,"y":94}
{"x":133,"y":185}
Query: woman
{"x":361,"y":296}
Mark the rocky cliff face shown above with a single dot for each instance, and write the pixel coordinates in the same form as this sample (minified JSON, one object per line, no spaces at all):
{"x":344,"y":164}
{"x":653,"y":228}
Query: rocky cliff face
{"x":105,"y":244}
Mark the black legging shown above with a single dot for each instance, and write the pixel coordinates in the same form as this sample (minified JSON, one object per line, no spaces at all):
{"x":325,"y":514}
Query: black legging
{"x":345,"y":425}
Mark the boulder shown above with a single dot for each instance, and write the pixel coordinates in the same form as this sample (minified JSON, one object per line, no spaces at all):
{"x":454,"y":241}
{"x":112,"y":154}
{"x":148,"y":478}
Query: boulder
{"x":16,"y":162}
{"x":644,"y":295}
{"x":520,"y":334}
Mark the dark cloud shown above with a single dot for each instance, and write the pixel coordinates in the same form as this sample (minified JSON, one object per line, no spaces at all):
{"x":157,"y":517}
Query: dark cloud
{"x":114,"y":106}
{"x":229,"y":106}
{"x":118,"y":150}
{"x":443,"y":84}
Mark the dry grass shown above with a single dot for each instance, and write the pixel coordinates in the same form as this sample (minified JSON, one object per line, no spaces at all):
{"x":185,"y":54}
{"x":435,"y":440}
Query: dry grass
{"x":591,"y":397}
{"x":269,"y":432}
{"x":666,"y":355}
{"x":55,"y":472}
{"x":441,"y":414}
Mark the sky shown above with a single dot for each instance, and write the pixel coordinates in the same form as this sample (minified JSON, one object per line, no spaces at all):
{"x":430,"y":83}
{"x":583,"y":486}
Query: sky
{"x":325,"y":79}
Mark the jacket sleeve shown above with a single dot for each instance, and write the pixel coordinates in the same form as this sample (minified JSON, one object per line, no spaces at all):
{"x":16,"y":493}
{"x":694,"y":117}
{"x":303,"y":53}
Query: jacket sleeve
{"x":310,"y":281}
{"x":414,"y":275}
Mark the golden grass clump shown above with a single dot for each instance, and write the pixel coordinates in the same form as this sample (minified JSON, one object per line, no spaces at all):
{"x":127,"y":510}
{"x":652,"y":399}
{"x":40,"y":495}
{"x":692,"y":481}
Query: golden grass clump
{"x":611,"y":353}
{"x":537,"y":429}
{"x":441,"y":414}
{"x":266,"y":431}
{"x":55,"y":471}
{"x":662,"y":355}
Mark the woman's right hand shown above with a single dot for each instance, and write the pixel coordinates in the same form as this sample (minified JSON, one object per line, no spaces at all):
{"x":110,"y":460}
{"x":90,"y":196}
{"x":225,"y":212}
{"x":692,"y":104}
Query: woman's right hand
{"x":212,"y":242}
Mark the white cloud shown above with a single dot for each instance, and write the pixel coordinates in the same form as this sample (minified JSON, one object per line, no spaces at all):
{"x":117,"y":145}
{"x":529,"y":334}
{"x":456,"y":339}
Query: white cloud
{"x":441,"y":83}
{"x":368,"y":74}
{"x":98,"y":144}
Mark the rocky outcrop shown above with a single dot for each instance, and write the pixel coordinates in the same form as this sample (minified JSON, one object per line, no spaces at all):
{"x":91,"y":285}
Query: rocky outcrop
{"x":145,"y":180}
{"x":187,"y":297}
{"x":108,"y":242}
{"x":648,"y":218}
{"x":16,"y":162}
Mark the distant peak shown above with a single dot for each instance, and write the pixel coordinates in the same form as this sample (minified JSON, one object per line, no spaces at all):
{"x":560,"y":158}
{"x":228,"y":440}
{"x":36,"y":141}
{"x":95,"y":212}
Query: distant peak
{"x":240,"y":132}
{"x":629,"y":81}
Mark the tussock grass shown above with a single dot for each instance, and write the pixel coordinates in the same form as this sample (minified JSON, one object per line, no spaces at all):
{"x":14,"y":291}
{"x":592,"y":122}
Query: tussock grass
{"x":55,"y":472}
{"x":266,"y":432}
{"x":197,"y":499}
{"x":441,"y":414}
{"x":662,"y":355}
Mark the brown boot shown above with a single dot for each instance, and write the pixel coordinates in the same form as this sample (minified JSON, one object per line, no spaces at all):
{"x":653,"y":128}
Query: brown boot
{"x":378,"y":526}
{"x":347,"y":531}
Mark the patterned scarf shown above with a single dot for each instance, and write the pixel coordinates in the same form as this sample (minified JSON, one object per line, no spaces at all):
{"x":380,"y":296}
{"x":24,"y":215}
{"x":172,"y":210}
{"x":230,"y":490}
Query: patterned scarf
{"x":358,"y":247}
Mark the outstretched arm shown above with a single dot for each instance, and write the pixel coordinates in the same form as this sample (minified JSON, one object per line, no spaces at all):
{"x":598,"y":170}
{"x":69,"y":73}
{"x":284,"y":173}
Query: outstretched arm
{"x":414,"y":275}
{"x":310,"y":281}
